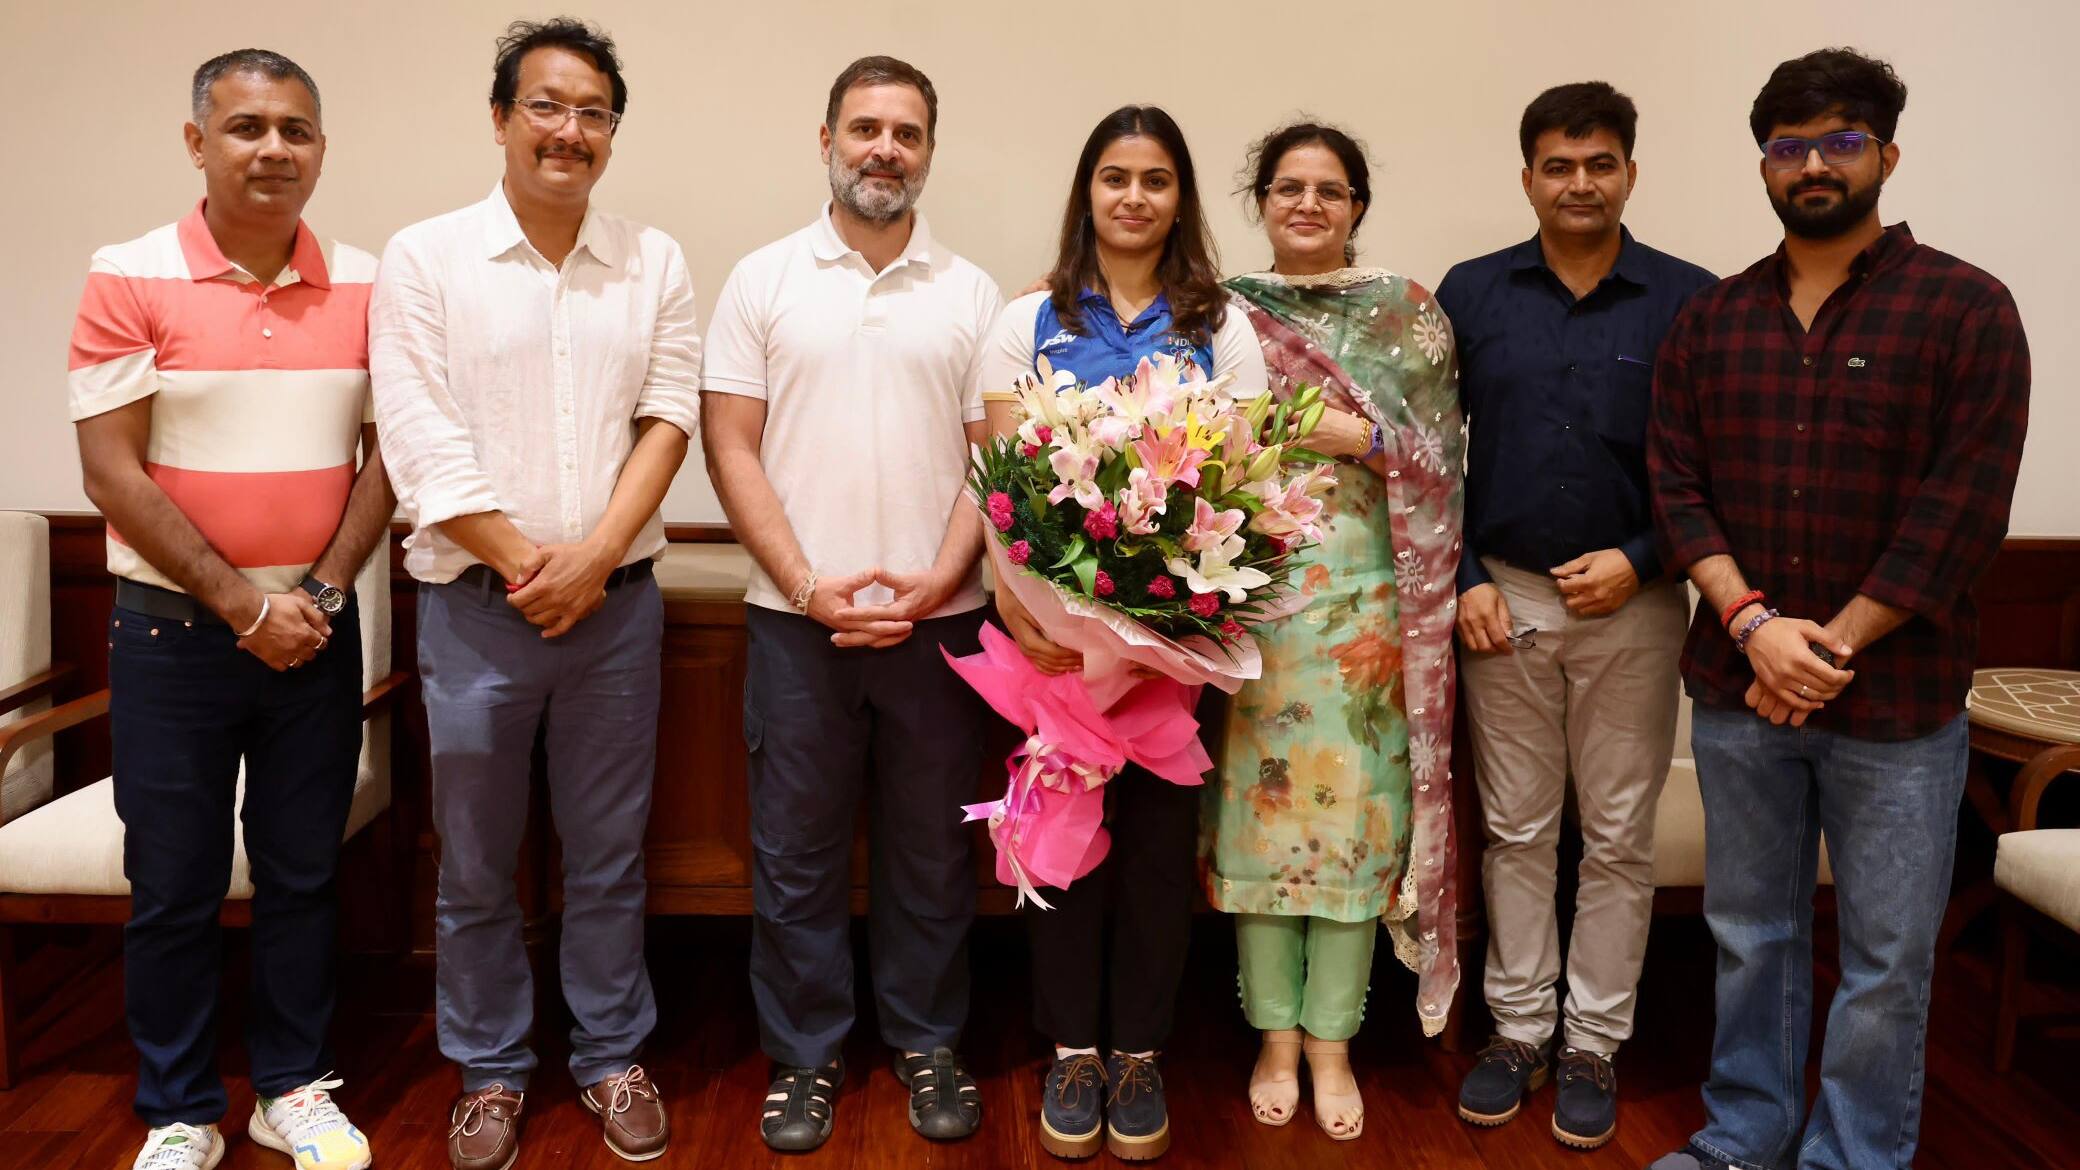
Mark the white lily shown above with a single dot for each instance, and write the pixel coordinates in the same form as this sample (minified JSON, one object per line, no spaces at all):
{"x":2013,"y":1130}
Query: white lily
{"x":1216,"y":572}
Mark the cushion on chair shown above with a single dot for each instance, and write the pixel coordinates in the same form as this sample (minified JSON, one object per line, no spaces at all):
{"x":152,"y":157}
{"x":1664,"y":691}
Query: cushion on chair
{"x":74,"y":845}
{"x":2042,"y":867}
{"x":25,"y":649}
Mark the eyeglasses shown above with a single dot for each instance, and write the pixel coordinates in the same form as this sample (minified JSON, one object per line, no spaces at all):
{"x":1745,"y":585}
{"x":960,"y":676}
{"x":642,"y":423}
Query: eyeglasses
{"x":550,"y":115}
{"x":1525,"y":639}
{"x":1842,"y":146}
{"x":1292,"y":191}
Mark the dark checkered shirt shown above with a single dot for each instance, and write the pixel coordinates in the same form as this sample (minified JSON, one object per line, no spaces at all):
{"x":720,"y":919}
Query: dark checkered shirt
{"x":1875,"y":454}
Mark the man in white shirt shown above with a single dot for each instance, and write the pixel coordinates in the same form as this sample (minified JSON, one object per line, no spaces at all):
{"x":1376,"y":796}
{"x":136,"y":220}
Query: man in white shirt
{"x":535,"y":363}
{"x":840,"y":402}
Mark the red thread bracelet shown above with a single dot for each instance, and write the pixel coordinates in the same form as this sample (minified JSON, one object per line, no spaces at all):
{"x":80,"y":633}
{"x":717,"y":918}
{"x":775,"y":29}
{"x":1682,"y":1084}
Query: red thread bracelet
{"x":1742,"y":602}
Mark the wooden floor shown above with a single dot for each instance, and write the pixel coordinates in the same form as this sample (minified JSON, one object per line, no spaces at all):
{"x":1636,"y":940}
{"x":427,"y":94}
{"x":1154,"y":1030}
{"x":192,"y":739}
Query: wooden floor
{"x":72,"y":1110}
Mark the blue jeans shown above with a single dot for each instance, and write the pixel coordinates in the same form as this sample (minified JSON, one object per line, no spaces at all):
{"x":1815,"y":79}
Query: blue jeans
{"x":1889,"y":811}
{"x":186,"y":705}
{"x":491,"y":681}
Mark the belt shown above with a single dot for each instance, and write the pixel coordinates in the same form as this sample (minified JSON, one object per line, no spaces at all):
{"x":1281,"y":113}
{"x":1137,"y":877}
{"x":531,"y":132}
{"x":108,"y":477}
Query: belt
{"x":170,"y":604}
{"x":484,"y":577}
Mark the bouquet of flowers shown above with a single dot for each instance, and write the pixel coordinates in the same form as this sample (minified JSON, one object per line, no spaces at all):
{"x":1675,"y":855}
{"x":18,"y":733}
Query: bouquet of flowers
{"x":1145,"y":523}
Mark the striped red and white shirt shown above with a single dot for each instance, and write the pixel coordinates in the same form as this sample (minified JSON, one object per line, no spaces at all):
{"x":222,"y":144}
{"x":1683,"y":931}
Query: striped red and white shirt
{"x":261,"y":389}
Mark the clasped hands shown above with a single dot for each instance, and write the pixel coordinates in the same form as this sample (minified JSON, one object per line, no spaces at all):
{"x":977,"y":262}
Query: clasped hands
{"x":559,"y":585}
{"x":1791,"y":682}
{"x":876,"y":627}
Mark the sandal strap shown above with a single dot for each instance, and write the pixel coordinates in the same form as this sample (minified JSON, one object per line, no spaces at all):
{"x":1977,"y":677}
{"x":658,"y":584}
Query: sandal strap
{"x":939,"y":1076}
{"x":811,"y":1093}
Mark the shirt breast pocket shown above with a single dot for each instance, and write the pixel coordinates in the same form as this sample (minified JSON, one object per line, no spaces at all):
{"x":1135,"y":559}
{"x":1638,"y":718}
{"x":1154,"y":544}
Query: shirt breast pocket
{"x":1887,"y":409}
{"x":1621,"y":411}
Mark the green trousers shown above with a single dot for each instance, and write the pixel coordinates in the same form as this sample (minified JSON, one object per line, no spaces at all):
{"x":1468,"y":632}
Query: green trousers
{"x":1297,"y":971}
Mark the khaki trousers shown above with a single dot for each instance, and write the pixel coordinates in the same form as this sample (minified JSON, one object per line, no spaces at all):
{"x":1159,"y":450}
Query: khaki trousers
{"x":1594,"y":699}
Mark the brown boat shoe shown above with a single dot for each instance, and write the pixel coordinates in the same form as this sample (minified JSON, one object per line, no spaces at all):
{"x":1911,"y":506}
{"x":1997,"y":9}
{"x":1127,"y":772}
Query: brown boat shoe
{"x":484,"y":1129}
{"x":631,"y":1114}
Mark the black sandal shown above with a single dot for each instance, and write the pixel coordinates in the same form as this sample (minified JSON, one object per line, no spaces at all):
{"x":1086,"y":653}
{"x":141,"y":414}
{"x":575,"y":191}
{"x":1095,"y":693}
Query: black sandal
{"x":801,"y":1107}
{"x":945,"y":1105}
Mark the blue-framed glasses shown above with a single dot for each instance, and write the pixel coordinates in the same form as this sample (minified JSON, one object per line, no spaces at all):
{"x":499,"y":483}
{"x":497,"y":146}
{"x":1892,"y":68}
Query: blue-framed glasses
{"x":1836,"y":149}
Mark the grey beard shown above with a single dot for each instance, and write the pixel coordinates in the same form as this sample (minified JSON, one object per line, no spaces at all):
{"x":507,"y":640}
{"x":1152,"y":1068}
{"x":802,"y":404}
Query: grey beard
{"x":871,"y":203}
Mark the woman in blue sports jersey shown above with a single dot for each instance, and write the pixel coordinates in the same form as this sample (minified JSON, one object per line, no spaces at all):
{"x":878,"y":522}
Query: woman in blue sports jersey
{"x":1135,"y":276}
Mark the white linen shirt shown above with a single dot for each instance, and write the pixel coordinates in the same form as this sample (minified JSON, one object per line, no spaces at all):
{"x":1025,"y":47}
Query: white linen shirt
{"x":869,"y":379}
{"x":505,"y":383}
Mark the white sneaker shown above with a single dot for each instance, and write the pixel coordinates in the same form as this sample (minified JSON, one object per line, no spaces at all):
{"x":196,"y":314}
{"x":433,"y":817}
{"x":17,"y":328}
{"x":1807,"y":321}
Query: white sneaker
{"x":304,"y":1124}
{"x":181,"y":1147}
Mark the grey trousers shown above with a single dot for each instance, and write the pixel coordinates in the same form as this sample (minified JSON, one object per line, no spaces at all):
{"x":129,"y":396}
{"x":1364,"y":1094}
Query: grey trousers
{"x":1594,"y":699}
{"x":491,"y":680}
{"x":818,"y":722}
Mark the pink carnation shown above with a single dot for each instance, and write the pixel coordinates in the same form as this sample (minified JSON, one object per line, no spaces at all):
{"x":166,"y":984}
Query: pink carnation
{"x":1162,"y":587}
{"x":1044,"y":433}
{"x":1000,"y":511}
{"x":1102,"y":522}
{"x":1020,"y":552}
{"x":1231,"y":628}
{"x":1028,"y":450}
{"x":1205,"y":604}
{"x":1103,"y":587}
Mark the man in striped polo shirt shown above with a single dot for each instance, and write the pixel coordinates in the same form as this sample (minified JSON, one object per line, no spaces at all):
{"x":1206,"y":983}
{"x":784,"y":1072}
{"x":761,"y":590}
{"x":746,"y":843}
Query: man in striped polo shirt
{"x":219,"y":383}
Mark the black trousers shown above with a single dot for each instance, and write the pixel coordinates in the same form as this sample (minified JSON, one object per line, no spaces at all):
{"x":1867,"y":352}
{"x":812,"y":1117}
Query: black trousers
{"x":1117,"y":936}
{"x":819,"y":721}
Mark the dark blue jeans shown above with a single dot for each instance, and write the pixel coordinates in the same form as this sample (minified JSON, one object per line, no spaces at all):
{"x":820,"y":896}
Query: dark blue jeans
{"x":1889,"y":811}
{"x":186,"y":705}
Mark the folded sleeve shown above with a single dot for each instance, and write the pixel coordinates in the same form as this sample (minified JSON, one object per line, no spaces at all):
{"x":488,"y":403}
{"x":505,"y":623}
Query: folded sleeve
{"x":672,"y":386}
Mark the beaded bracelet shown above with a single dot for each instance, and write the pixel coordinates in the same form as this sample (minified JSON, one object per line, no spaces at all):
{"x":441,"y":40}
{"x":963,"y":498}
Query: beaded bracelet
{"x":1740,"y":640}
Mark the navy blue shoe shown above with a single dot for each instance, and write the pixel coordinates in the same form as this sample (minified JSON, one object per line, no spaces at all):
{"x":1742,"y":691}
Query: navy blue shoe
{"x":1507,"y":1070}
{"x":1585,"y":1110}
{"x":1137,"y":1117}
{"x":1072,"y":1119}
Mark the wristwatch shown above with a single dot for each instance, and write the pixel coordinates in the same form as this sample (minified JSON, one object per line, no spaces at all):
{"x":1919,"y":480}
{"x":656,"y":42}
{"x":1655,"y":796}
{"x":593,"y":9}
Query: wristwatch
{"x":330,"y":599}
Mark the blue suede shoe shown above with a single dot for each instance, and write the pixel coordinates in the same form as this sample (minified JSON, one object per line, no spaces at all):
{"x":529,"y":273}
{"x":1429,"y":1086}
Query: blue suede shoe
{"x":1072,"y":1119}
{"x":1137,"y":1117}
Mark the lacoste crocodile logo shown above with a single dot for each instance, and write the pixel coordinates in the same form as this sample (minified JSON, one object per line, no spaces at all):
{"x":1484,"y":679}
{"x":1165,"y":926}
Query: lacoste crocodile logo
{"x":1856,"y":363}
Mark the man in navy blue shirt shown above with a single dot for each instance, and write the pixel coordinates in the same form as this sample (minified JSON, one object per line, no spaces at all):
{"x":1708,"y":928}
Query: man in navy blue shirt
{"x":1571,"y":626}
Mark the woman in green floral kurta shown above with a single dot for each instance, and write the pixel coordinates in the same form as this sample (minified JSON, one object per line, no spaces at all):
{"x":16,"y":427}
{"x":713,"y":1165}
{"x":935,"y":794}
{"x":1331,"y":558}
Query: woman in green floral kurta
{"x":1331,"y":808}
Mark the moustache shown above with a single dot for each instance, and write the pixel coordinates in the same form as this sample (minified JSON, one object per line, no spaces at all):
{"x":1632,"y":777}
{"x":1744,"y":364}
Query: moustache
{"x":1819,"y":185}
{"x":576,"y":155}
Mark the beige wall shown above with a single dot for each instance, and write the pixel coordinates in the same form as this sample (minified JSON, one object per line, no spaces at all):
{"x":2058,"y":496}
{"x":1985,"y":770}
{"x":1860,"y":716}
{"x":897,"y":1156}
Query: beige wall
{"x":720,"y":149}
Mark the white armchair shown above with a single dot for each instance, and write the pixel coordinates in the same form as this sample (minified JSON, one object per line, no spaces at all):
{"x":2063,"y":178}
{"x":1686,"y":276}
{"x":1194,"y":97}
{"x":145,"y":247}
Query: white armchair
{"x":61,"y":859}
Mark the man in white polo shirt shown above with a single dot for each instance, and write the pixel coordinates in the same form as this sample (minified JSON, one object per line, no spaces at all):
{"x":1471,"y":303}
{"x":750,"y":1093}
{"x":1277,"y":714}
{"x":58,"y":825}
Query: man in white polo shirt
{"x":839,"y":403}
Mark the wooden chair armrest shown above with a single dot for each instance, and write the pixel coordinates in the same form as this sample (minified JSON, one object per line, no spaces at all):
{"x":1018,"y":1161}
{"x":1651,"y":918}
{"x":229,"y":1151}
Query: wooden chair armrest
{"x":387,"y":693}
{"x":34,"y":687}
{"x":15,"y":736}
{"x":2034,"y":780}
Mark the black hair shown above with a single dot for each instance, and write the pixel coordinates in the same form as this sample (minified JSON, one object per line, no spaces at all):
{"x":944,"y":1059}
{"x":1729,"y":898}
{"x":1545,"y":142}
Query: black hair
{"x":883,"y":71}
{"x":1260,"y":167}
{"x":562,"y":32}
{"x":1190,"y":267}
{"x":1861,"y":89}
{"x":1577,"y":109}
{"x":265,"y":62}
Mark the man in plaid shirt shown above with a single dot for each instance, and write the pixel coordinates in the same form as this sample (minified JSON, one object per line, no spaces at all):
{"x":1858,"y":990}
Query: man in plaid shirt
{"x":1835,"y":439}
